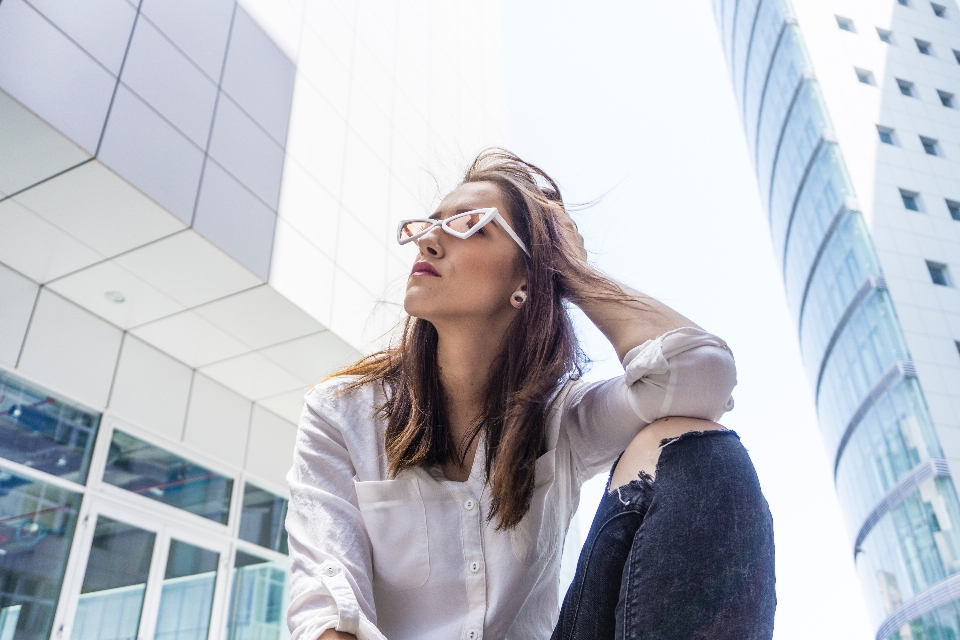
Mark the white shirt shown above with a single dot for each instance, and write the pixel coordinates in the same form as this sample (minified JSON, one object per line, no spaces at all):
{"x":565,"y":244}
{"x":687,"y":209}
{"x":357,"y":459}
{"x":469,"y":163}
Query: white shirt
{"x":414,"y":557}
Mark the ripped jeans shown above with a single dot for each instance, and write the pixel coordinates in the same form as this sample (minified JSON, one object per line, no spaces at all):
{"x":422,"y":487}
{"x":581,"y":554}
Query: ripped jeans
{"x":685,"y":556}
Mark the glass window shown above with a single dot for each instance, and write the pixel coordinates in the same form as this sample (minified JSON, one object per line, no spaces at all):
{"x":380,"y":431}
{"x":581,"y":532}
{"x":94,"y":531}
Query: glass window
{"x":905,"y":3}
{"x":187,"y":596}
{"x":846,"y":24}
{"x":906,"y":88}
{"x":37,"y":521}
{"x":258,"y":599}
{"x":954,"y":209}
{"x":946,"y":99}
{"x":930,"y":146}
{"x":44,"y":432}
{"x":864,"y":76}
{"x":938,"y":273}
{"x":142,"y":468}
{"x":956,"y":56}
{"x":886,"y":36}
{"x":111,"y":598}
{"x":262,"y":518}
{"x":923,"y":47}
{"x":911,"y":199}
{"x":886,"y":135}
{"x":938,"y":10}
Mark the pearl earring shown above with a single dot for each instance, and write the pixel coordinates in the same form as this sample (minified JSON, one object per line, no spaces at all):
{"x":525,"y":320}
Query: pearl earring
{"x":518,"y":298}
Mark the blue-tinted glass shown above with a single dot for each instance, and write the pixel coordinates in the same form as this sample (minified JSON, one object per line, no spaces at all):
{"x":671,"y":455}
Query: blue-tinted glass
{"x":923,"y":47}
{"x":914,"y":546}
{"x":789,"y":64}
{"x":938,"y":273}
{"x":939,"y":10}
{"x":906,"y":88}
{"x":37,"y":521}
{"x":800,"y":138}
{"x":821,"y":197}
{"x":187,"y":596}
{"x":770,"y":21}
{"x":868,"y":346}
{"x":910,"y":201}
{"x":142,"y":468}
{"x":262,"y":518}
{"x":884,"y":35}
{"x":886,"y":136}
{"x":894,"y":437}
{"x":111,"y":597}
{"x":954,"y":209}
{"x":743,"y":30}
{"x":942,"y":622}
{"x":44,"y":432}
{"x":258,"y":600}
{"x":842,"y":270}
{"x":726,"y":26}
{"x":929,"y":146}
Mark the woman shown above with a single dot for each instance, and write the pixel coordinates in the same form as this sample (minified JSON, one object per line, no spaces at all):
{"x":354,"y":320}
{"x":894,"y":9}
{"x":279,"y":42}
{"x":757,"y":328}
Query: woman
{"x":433,"y":482}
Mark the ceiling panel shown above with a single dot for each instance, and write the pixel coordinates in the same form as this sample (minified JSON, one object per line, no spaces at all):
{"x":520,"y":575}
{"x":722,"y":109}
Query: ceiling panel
{"x":191,"y":339}
{"x":260,"y":317}
{"x":90,"y":288}
{"x":312,"y":357}
{"x":101,"y":209}
{"x":188,"y":268}
{"x":38,"y":249}
{"x":253,"y":376}
{"x":30,"y":149}
{"x":286,"y":405}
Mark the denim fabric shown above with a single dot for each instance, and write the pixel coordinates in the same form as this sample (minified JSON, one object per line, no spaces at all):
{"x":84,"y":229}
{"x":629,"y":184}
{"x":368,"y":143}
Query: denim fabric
{"x":687,"y":556}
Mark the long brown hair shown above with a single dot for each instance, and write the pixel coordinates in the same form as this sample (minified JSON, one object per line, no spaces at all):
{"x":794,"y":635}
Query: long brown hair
{"x":540,"y":351}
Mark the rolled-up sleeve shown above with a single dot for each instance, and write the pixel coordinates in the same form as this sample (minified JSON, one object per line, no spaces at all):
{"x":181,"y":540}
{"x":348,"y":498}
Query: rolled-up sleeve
{"x":685,"y":372}
{"x":330,"y":557}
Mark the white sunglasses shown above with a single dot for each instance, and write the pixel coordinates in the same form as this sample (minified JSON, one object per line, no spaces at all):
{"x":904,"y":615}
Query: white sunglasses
{"x":462,"y":225}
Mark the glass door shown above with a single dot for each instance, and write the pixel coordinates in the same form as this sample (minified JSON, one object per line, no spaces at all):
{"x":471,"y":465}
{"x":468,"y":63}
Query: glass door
{"x":137,"y":577}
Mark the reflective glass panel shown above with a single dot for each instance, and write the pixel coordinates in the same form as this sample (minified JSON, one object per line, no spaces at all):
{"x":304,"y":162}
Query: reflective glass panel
{"x":258,"y":600}
{"x":942,"y":622}
{"x":743,"y":29}
{"x":766,"y":34}
{"x":37,"y":521}
{"x":142,"y":468}
{"x":111,"y":598}
{"x":44,"y":432}
{"x":187,"y":596}
{"x":261,"y":521}
{"x":914,"y":546}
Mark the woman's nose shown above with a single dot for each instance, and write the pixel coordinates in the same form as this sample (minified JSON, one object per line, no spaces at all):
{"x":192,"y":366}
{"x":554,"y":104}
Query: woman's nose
{"x":430,"y":242}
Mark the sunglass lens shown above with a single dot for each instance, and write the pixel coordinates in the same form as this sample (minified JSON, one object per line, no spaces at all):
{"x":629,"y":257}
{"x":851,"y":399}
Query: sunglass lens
{"x":463,"y":223}
{"x":411,"y":229}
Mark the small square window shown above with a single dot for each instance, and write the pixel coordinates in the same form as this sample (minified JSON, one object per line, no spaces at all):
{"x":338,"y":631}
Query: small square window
{"x":846,"y":24}
{"x":906,"y":88}
{"x":886,"y":36}
{"x":911,"y":199}
{"x":956,"y":55}
{"x":886,"y":135}
{"x":946,"y":99}
{"x":939,"y":273}
{"x":930,"y":146}
{"x":939,"y":10}
{"x":865,"y":76}
{"x":923,"y":47}
{"x":905,"y":3}
{"x":957,"y":345}
{"x":954,"y":208}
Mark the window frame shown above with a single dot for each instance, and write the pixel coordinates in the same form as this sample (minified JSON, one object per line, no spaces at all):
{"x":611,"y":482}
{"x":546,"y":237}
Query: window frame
{"x":931,"y":143}
{"x":865,"y":76}
{"x":885,"y":35}
{"x":946,"y":99}
{"x":953,"y":208}
{"x":939,"y":10}
{"x":845,"y":24}
{"x":912,"y":195}
{"x":906,"y":88}
{"x":924,"y":47}
{"x":890,"y":132}
{"x":943,"y":269}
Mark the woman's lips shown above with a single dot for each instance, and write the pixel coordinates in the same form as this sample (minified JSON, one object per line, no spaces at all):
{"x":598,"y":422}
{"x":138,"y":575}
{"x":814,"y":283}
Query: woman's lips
{"x":424,"y":269}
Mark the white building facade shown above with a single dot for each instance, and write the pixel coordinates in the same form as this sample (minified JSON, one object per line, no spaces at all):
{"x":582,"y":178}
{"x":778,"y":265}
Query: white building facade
{"x":197,"y":221}
{"x":850,"y":116}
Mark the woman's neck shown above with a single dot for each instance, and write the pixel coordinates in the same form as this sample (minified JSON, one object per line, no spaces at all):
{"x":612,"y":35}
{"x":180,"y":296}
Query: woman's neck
{"x":465,"y":358}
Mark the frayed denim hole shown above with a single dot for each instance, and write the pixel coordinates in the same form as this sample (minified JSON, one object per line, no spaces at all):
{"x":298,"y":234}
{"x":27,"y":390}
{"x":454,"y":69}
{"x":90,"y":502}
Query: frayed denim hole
{"x":637,"y":493}
{"x":697,"y":434}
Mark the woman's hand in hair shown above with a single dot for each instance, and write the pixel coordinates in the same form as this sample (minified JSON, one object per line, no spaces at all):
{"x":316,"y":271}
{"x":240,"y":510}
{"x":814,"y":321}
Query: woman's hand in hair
{"x":571,"y":234}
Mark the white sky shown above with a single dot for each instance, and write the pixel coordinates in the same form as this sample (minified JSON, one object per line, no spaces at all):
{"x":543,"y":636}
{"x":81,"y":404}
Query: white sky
{"x":638,"y":91}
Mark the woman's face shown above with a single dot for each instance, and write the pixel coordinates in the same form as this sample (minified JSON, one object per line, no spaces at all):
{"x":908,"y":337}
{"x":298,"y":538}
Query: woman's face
{"x":455,"y":279}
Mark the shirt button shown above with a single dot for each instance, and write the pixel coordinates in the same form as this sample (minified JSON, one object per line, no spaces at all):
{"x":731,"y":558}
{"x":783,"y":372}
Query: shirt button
{"x":331,"y":570}
{"x":473,"y":634}
{"x":469,"y":504}
{"x":474,"y":567}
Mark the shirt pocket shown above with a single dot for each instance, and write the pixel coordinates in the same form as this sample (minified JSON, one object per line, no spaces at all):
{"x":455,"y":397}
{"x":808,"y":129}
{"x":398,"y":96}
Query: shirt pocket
{"x":537,"y":535}
{"x":396,"y":524}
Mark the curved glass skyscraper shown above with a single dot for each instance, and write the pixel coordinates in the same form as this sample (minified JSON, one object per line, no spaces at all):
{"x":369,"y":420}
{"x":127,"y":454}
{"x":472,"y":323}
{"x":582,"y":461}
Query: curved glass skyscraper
{"x":863,"y":224}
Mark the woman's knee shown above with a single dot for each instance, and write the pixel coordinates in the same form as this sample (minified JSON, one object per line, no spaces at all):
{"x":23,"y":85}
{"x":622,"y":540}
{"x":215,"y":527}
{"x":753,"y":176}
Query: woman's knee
{"x":643,"y":452}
